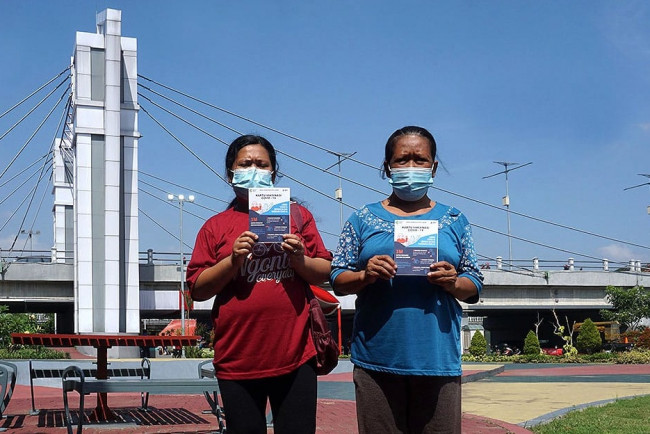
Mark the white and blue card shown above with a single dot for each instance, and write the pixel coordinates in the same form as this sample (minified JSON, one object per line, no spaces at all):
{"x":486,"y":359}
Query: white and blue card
{"x":268,"y":213}
{"x":416,"y":246}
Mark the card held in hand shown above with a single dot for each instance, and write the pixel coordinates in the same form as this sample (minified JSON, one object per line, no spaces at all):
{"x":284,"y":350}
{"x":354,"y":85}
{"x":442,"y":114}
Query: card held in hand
{"x":416,"y":246}
{"x":268,"y":213}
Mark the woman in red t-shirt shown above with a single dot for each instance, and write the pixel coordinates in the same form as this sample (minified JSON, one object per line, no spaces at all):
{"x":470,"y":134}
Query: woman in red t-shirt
{"x":263,"y":348}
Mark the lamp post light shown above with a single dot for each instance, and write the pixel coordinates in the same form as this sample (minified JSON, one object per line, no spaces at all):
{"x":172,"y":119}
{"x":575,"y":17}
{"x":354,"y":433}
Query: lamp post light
{"x":180,"y":198}
{"x":506,"y":199}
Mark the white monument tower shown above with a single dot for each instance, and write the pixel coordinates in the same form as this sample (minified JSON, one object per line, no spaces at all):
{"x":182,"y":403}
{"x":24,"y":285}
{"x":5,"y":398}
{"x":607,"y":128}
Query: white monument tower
{"x":96,"y":210}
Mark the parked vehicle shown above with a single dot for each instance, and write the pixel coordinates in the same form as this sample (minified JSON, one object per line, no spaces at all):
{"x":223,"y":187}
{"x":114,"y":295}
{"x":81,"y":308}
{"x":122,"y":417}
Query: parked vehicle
{"x":503,"y":349}
{"x":614,"y":347}
{"x":553,"y":351}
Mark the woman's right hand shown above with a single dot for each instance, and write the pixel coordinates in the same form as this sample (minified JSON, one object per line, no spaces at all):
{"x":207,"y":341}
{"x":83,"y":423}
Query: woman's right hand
{"x":379,"y":267}
{"x":242,"y":247}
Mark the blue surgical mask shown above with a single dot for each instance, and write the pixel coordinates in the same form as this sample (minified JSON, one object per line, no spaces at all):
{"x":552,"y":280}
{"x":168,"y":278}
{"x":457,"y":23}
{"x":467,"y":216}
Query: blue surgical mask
{"x":251,"y":177}
{"x":411,"y":183}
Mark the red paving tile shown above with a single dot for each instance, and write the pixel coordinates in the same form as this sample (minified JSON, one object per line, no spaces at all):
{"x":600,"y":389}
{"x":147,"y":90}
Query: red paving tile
{"x":182,"y":414}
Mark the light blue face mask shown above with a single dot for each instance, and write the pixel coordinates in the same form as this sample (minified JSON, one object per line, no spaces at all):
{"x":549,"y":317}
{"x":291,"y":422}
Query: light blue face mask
{"x":251,"y":177}
{"x":411,"y":183}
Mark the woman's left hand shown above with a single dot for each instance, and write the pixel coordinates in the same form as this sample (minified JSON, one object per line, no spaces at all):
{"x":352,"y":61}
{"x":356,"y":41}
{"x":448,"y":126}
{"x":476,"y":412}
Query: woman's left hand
{"x":293,"y":246}
{"x":443,"y":274}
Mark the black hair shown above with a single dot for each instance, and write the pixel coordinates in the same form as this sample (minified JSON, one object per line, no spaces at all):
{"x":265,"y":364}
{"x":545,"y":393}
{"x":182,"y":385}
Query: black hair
{"x":406,"y":131}
{"x":241,"y":142}
{"x":245,"y":140}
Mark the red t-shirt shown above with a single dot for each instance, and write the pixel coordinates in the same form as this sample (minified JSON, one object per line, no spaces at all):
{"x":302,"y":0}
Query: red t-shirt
{"x":261,"y":317}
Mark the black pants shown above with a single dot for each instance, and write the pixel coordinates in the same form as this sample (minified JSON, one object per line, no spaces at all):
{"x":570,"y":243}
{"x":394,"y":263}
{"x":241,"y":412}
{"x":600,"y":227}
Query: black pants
{"x":292,"y":398}
{"x":392,"y":404}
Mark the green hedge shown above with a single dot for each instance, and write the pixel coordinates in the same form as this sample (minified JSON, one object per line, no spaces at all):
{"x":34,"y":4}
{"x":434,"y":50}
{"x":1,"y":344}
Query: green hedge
{"x":32,"y":353}
{"x":639,"y":356}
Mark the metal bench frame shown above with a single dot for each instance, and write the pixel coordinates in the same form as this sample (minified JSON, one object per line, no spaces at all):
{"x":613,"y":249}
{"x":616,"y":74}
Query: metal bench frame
{"x":208,"y":372}
{"x":74,"y":379}
{"x":144,"y":371}
{"x":8,"y":373}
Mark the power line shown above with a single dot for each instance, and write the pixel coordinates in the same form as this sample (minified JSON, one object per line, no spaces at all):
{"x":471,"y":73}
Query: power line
{"x":364,"y":185}
{"x":539,"y":219}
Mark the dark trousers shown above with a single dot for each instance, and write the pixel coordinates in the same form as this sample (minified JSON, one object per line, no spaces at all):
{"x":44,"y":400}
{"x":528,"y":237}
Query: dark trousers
{"x":389,"y":403}
{"x":292,"y":398}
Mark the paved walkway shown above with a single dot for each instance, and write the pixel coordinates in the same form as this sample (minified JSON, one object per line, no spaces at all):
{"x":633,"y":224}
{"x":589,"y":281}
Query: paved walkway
{"x":496,"y":399}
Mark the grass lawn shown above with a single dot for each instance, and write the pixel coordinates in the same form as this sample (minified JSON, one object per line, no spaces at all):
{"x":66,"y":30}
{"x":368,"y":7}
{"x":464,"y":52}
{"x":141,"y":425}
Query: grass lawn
{"x":629,"y":416}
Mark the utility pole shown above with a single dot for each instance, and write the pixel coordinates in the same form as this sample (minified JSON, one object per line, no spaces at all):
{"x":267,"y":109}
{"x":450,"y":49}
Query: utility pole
{"x":338,"y":193}
{"x":647,"y":175}
{"x":30,"y":235}
{"x":506,"y":198}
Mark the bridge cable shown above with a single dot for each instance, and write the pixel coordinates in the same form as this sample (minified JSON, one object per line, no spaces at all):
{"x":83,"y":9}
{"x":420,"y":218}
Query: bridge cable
{"x":33,"y":108}
{"x":27,"y":196}
{"x":182,"y":144}
{"x":33,"y":134}
{"x":21,"y":185}
{"x":161,"y":227}
{"x":298,"y":139}
{"x":277,"y":150}
{"x":182,"y":187}
{"x":22,"y":171}
{"x":35,"y":92}
{"x":170,"y":204}
{"x":165,"y":191}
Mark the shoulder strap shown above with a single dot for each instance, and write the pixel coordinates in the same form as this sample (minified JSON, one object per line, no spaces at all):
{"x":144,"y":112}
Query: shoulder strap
{"x":296,"y":216}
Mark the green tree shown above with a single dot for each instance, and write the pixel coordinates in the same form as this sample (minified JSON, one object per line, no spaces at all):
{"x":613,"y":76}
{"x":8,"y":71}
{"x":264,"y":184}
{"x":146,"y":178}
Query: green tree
{"x":589,"y":340}
{"x":629,"y":306}
{"x":15,"y":323}
{"x":531,"y":344}
{"x":478,"y":345}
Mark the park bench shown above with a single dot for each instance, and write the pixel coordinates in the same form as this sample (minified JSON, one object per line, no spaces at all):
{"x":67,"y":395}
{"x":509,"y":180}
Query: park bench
{"x":8,"y":373}
{"x":206,"y":370}
{"x":144,"y":371}
{"x":74,"y":379}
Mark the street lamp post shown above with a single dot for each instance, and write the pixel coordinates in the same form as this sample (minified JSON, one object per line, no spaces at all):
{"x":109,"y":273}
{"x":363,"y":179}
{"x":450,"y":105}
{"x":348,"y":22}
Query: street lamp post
{"x":506,"y":199}
{"x":181,"y":199}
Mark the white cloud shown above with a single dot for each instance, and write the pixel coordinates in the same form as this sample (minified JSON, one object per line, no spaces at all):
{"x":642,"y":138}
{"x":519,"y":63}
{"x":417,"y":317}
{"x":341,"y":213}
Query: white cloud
{"x":616,"y":252}
{"x":645,"y":126}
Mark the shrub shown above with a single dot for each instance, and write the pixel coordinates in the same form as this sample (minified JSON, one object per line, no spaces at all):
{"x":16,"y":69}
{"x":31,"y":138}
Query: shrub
{"x":32,"y":352}
{"x":531,"y":344}
{"x":634,"y":357}
{"x":601,"y":357}
{"x":589,"y":340}
{"x":478,"y":346}
{"x":643,"y":339}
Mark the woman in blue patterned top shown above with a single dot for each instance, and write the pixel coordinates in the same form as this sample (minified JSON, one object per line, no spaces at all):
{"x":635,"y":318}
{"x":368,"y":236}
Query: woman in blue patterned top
{"x":406,"y":336}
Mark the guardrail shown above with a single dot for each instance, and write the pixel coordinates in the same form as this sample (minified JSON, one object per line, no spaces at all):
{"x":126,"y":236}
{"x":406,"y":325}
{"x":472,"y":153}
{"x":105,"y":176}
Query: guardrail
{"x":151,"y":257}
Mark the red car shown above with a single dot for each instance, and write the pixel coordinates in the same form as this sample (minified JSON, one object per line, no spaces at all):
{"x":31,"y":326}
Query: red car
{"x":553,"y":351}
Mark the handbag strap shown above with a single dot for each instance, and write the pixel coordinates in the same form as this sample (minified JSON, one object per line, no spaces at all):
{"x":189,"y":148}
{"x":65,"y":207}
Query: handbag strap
{"x":296,"y":216}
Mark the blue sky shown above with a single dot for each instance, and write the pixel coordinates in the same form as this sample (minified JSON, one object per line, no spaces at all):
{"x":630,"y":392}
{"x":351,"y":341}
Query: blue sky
{"x":565,"y":85}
